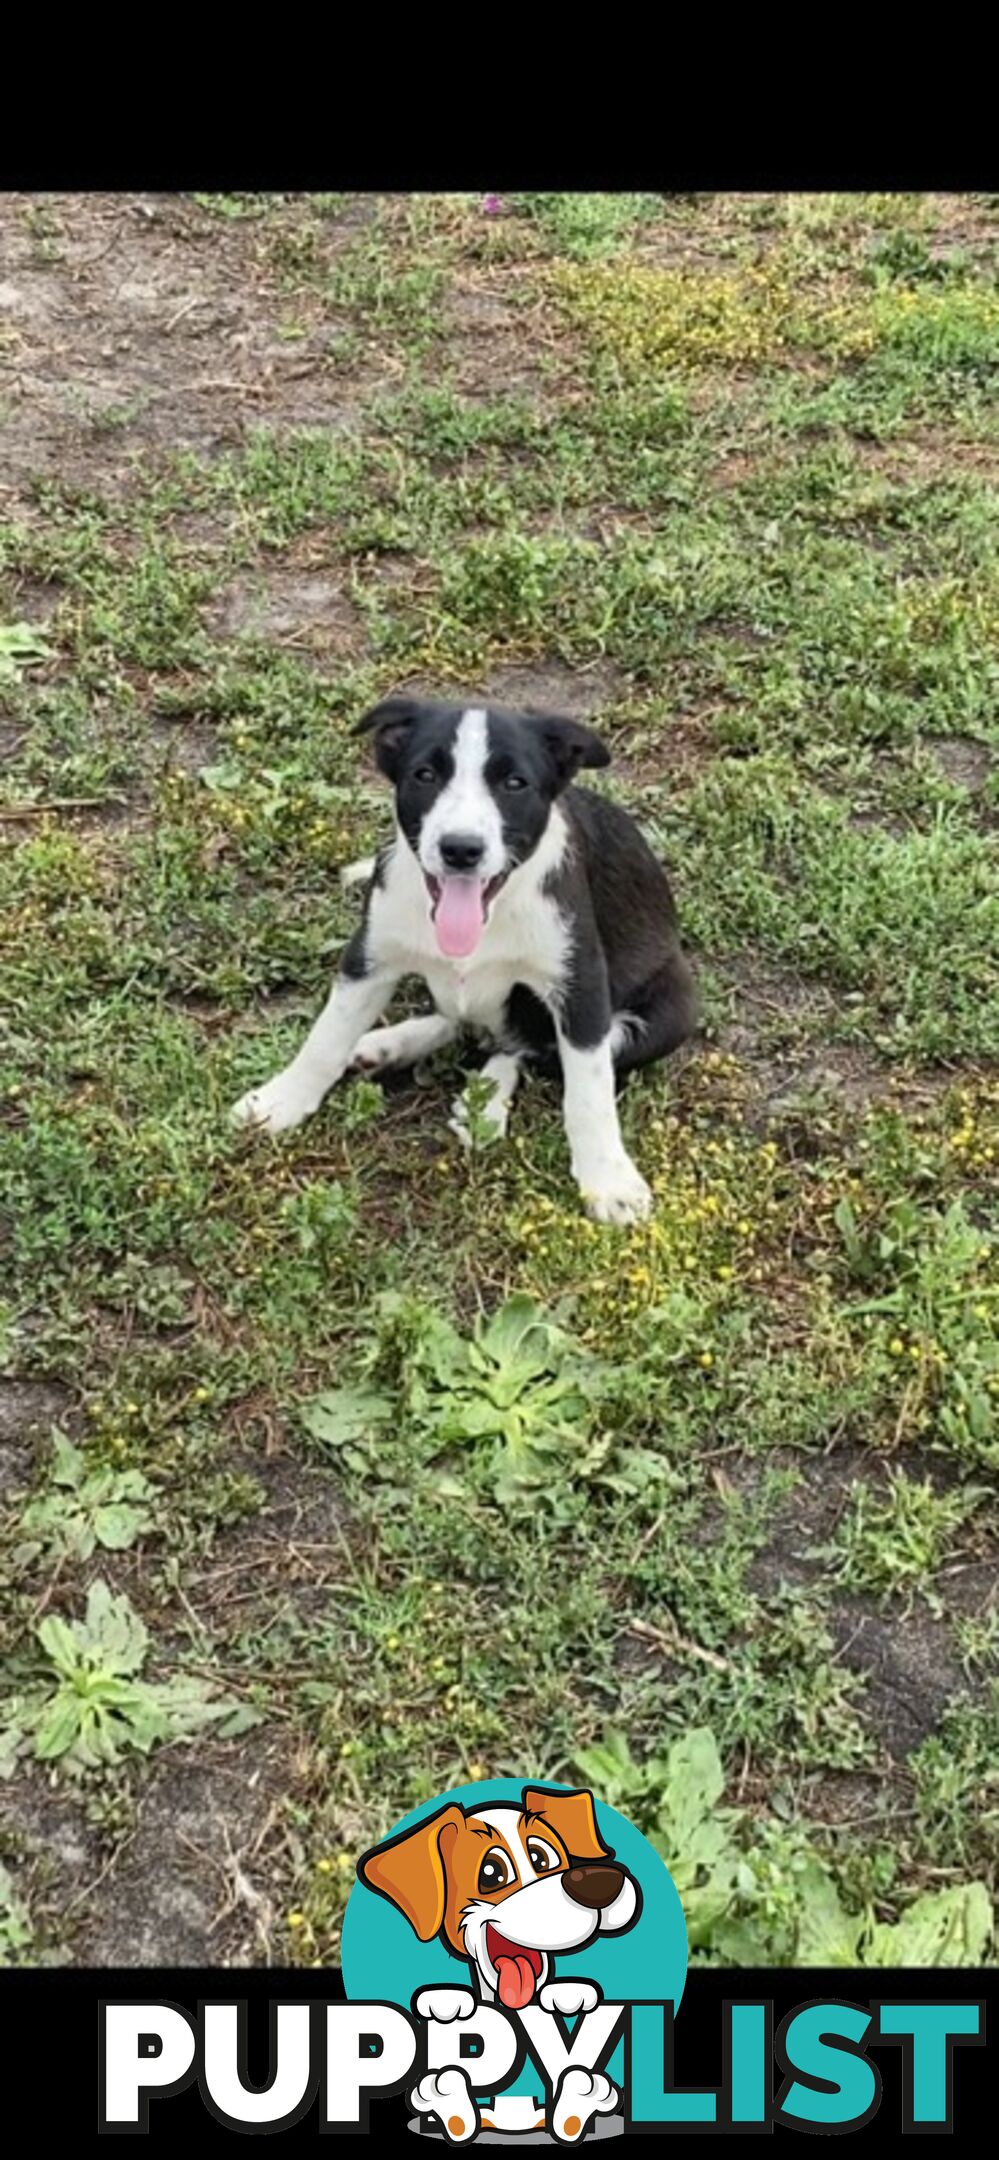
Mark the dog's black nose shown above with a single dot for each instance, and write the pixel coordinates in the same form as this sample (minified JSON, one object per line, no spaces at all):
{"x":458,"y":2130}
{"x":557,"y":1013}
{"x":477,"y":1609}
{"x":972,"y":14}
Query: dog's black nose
{"x":595,"y":1884}
{"x":462,"y":850}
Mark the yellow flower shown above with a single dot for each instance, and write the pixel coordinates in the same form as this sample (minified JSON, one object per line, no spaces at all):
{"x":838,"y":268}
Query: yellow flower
{"x":706,"y":1359}
{"x":896,"y":1346}
{"x":296,"y":1919}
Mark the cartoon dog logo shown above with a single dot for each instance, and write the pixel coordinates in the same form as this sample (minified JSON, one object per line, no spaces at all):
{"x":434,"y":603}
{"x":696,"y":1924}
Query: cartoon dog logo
{"x":508,"y":1889}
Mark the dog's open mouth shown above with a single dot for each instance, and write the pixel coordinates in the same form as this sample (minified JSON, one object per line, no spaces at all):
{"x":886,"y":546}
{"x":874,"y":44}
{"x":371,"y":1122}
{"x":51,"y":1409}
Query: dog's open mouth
{"x":517,"y":1970}
{"x":459,"y":910}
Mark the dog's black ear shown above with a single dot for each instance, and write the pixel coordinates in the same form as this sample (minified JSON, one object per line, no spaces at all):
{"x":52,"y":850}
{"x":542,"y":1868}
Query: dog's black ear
{"x":569,"y":745}
{"x":389,"y":723}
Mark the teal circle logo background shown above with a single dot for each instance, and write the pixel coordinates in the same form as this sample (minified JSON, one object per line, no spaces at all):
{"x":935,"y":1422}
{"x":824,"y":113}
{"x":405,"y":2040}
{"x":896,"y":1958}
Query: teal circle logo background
{"x":384,"y":1961}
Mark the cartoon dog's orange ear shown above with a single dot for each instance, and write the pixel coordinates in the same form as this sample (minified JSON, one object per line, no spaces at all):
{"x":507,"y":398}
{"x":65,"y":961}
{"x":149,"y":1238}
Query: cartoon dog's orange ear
{"x":571,"y":1817}
{"x":410,"y":1871}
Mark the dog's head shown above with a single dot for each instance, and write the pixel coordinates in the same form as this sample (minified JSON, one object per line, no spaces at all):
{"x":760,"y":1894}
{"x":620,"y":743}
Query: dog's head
{"x":507,"y":1887}
{"x":474,"y":787}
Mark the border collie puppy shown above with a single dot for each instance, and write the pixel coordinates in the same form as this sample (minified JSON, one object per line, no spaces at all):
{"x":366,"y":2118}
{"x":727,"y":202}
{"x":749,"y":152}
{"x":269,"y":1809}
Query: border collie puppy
{"x":535,"y":913}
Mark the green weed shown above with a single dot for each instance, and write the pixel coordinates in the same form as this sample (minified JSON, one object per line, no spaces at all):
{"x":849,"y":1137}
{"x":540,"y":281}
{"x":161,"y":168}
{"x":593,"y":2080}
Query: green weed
{"x":90,"y":1704}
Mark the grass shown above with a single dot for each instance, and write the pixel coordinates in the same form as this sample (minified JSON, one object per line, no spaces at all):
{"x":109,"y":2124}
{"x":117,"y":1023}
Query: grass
{"x":385,"y":1467}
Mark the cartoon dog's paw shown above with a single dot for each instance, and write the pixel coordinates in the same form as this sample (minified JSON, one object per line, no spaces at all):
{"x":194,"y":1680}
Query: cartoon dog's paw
{"x":447,"y":2093}
{"x":444,"y":2004}
{"x":568,"y":1997}
{"x":279,"y":1104}
{"x":581,"y":2095}
{"x":617,"y":1194}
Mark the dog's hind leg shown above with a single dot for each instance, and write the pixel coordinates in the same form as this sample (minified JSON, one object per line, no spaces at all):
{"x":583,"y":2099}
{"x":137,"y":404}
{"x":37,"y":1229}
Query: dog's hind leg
{"x":662,"y":1015}
{"x":405,"y":1043}
{"x":503,"y":1070}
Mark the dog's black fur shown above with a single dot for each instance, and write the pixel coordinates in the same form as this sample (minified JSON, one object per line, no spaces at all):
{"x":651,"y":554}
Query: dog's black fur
{"x":583,"y":970}
{"x":627,"y":956}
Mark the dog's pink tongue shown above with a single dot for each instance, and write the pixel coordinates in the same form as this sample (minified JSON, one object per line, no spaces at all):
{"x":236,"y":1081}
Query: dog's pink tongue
{"x":459,"y":917}
{"x":516,"y":1981}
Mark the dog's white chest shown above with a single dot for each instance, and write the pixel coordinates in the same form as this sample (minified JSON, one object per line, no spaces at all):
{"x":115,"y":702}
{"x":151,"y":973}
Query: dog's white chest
{"x":525,"y":941}
{"x":474,"y":995}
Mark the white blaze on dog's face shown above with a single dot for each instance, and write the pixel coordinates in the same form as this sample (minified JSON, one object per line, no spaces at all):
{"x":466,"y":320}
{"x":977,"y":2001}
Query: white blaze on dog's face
{"x":474,"y":789}
{"x":461,"y":849}
{"x":507,"y":1887}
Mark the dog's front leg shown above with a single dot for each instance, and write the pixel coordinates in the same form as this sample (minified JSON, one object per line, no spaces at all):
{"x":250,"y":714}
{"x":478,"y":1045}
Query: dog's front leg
{"x":503,"y":1073}
{"x":359,"y":995}
{"x":612,"y":1188}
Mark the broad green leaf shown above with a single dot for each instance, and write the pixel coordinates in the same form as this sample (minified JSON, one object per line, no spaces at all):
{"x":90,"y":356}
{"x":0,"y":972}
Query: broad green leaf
{"x":22,"y":645}
{"x":132,"y":1485}
{"x":943,"y":1927}
{"x":520,"y":1341}
{"x":241,"y":1720}
{"x":60,"y":1726}
{"x":118,"y":1526}
{"x":611,"y":1769}
{"x":346,"y":1413}
{"x":114,"y":1635}
{"x":696,"y":1783}
{"x":70,"y":1463}
{"x":59,"y":1643}
{"x":12,"y":1740}
{"x":826,"y":1933}
{"x":147,"y":1720}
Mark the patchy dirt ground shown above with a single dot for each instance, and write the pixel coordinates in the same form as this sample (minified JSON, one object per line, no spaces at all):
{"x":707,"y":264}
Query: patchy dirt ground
{"x":719,"y":475}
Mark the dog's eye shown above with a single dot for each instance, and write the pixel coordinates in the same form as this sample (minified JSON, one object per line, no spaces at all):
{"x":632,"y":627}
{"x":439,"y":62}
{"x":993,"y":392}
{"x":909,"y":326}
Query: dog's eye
{"x":495,"y":1872}
{"x":513,"y":781}
{"x":425,"y":775}
{"x":541,"y":1857}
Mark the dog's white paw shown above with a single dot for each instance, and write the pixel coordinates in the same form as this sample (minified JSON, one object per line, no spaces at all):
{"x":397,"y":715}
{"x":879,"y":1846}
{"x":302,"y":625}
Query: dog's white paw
{"x":617,"y":1193}
{"x":375,"y":1050}
{"x":447,"y":2093}
{"x":568,"y":1997}
{"x":581,"y":2095}
{"x":458,"y":1125}
{"x":358,"y":873}
{"x":279,"y":1104}
{"x":444,"y":2004}
{"x":491,"y":1124}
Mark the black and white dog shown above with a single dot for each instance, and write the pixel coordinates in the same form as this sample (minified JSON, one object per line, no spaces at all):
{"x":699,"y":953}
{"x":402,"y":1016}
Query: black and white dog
{"x":535,"y":913}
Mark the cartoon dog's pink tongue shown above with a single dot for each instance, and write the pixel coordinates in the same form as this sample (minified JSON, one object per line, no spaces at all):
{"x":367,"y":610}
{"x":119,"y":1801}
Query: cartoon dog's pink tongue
{"x":516,"y":1982}
{"x":517,"y":1970}
{"x":460,"y":916}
